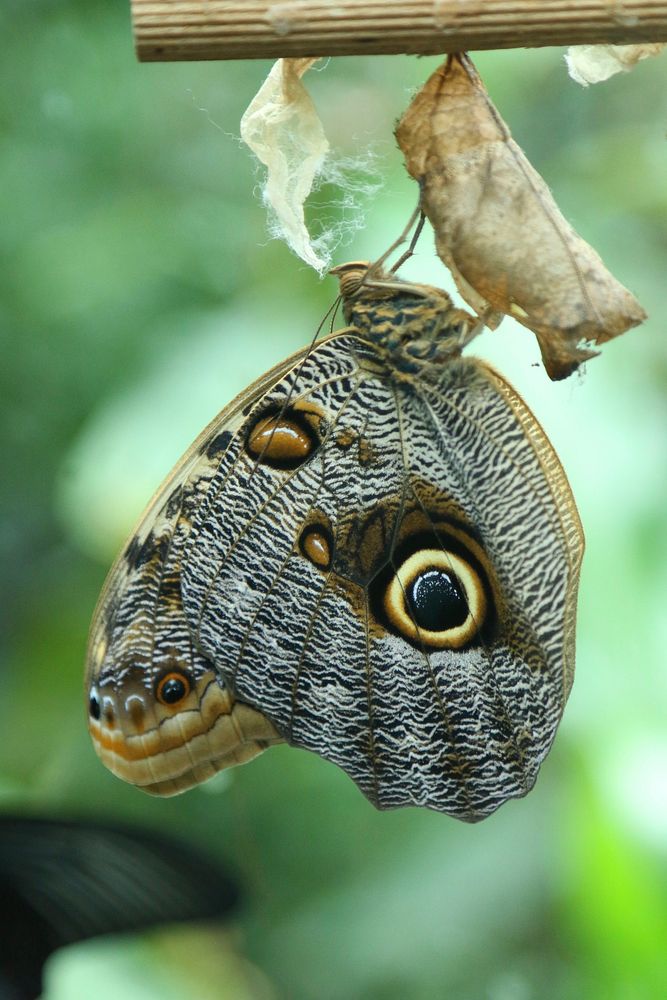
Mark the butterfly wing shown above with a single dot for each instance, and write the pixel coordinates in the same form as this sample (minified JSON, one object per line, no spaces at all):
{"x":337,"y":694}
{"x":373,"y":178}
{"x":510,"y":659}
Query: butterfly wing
{"x":63,"y":881}
{"x":386,"y":567}
{"x":159,"y":712}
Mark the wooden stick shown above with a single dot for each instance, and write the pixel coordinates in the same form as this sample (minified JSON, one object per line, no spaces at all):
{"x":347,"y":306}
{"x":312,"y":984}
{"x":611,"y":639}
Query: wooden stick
{"x":249,"y":29}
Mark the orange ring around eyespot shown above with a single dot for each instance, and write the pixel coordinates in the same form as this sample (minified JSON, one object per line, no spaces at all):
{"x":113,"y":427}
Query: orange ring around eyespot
{"x":395,"y":603}
{"x":175,"y":675}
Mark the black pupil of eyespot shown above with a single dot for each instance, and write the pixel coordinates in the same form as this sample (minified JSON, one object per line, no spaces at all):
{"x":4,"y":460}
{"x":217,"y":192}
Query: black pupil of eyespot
{"x":173,"y":690}
{"x":94,"y":706}
{"x":437,"y":601}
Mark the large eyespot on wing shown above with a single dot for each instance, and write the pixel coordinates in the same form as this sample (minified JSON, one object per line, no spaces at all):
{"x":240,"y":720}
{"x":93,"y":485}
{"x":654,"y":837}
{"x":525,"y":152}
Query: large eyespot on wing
{"x":436,"y":599}
{"x":436,"y":591}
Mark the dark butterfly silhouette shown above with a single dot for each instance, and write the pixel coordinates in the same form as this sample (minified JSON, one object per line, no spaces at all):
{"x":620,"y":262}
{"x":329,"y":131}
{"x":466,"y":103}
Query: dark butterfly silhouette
{"x":63,"y":881}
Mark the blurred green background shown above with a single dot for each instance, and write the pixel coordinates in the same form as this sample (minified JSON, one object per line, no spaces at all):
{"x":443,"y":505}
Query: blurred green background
{"x":139,"y":293}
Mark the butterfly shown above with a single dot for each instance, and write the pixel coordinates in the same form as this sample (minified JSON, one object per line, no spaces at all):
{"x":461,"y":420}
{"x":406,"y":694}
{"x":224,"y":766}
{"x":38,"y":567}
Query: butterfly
{"x":63,"y":881}
{"x":373,"y":553}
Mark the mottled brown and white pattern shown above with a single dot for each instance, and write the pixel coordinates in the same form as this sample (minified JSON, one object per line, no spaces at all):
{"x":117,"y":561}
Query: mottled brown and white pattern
{"x":372,"y":554}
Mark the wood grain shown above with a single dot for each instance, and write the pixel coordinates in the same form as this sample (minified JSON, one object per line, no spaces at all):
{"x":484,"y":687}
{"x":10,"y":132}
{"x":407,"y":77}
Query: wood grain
{"x":168,"y":30}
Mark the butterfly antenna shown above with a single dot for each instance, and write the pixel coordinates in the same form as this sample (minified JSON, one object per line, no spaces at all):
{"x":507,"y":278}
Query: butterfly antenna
{"x":416,"y":215}
{"x":413,"y":243}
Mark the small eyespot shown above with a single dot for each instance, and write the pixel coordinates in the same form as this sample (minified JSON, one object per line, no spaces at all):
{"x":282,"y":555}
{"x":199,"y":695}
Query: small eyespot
{"x":316,"y":544}
{"x":173,"y":688}
{"x":94,"y":707}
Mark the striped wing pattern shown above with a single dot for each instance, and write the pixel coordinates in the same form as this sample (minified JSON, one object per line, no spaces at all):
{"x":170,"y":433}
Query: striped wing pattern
{"x":280,"y":573}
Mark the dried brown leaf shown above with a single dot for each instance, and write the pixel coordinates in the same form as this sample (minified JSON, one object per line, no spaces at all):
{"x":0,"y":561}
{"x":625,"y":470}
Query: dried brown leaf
{"x":499,"y":230}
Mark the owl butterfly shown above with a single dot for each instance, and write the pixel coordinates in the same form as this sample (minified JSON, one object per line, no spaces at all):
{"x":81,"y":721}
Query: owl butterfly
{"x":372,"y":553}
